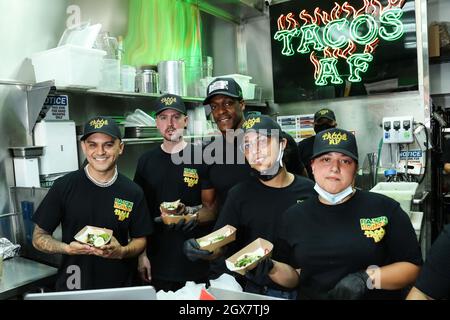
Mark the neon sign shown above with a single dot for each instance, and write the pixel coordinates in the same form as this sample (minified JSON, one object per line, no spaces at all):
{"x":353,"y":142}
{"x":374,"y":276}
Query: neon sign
{"x":340,"y":34}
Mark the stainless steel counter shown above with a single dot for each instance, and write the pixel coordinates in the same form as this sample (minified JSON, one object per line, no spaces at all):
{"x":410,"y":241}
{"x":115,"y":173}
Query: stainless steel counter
{"x":21,"y":275}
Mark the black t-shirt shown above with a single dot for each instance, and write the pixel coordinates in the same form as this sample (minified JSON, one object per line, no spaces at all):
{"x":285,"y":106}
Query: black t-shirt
{"x":305,"y":148}
{"x":74,"y":201}
{"x":253,"y":209}
{"x":434,"y":278}
{"x":329,"y":242}
{"x":227,"y":167}
{"x":162,"y":179}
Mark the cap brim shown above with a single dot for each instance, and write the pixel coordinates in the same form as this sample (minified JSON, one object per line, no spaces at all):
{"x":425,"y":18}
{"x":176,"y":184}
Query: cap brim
{"x":171,"y":108}
{"x":325,"y":117}
{"x":347,"y":153}
{"x":224,"y":93}
{"x":84,"y":137}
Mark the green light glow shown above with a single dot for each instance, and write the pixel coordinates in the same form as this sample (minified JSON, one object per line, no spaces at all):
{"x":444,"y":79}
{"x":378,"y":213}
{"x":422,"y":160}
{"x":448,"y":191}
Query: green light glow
{"x":329,"y":33}
{"x":363,"y":29}
{"x":371,"y":32}
{"x":309,"y":34}
{"x":286,"y":36}
{"x":161,"y":30}
{"x":328,"y":69}
{"x":392,"y":17}
{"x":358,"y":63}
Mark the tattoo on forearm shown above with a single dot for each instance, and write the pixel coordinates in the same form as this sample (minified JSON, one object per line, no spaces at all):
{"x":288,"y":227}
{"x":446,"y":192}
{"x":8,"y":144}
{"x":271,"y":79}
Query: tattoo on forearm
{"x":47,"y":243}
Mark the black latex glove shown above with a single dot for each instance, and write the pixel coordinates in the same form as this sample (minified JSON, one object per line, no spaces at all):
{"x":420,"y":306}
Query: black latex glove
{"x":184,"y":226}
{"x":260,"y":274}
{"x":192,"y":250}
{"x":158,"y":220}
{"x":351,"y":287}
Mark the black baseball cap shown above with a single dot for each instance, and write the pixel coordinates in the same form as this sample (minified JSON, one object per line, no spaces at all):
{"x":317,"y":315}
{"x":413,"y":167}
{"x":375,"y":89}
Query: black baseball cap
{"x":335,"y":140}
{"x":103,"y":125}
{"x":225,"y":86}
{"x":261,"y":124}
{"x":324,"y":113}
{"x":170,"y":101}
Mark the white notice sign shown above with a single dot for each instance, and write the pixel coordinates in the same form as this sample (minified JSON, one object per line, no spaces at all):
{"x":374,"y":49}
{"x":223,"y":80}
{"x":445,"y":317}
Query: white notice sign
{"x":58,"y":106}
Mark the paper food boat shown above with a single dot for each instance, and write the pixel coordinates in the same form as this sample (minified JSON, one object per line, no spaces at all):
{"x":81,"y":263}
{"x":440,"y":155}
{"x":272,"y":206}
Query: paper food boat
{"x":170,"y":207}
{"x":256,"y":251}
{"x":172,"y":218}
{"x":83,"y":235}
{"x":218,"y":238}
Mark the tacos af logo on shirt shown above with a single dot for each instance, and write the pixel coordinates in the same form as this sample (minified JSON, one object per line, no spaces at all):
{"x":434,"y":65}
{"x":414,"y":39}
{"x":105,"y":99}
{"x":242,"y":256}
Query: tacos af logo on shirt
{"x":122,"y":209}
{"x":373,"y":227}
{"x":190,"y":177}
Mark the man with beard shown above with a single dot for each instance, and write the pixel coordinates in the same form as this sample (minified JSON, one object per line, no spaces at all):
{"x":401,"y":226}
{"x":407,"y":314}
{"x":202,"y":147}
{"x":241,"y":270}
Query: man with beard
{"x":169,"y":173}
{"x":99,"y":196}
{"x":323,"y":119}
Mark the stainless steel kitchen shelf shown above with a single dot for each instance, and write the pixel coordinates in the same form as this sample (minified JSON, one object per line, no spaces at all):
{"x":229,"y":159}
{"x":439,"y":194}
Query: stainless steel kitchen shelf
{"x":130,"y":141}
{"x":90,"y":90}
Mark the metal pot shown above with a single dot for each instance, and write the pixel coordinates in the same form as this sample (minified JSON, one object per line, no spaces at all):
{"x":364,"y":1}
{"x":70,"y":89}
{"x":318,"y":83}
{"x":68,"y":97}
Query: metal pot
{"x":147,"y":81}
{"x":172,"y":77}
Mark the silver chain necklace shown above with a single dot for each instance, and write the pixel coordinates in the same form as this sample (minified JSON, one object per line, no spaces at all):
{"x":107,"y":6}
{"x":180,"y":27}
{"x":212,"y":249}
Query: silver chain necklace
{"x":101,"y":184}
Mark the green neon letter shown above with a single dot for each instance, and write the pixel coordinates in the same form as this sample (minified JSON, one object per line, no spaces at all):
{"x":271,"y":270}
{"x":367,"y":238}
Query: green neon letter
{"x":334,"y":38}
{"x":286,"y":36}
{"x":358,"y":63}
{"x":328,"y":69}
{"x":371,"y":26}
{"x":309,"y":34}
{"x":391,"y":18}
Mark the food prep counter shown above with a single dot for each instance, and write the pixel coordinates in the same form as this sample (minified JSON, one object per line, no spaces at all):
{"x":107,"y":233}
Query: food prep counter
{"x":21,"y":275}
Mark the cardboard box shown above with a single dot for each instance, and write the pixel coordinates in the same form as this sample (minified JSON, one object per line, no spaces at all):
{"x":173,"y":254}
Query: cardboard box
{"x":82,"y":235}
{"x":434,"y":45}
{"x":169,"y":218}
{"x":229,"y":233}
{"x":175,"y":204}
{"x":259,"y":247}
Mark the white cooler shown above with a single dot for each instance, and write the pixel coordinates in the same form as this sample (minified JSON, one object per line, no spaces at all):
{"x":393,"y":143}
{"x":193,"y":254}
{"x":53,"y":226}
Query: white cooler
{"x":69,"y":65}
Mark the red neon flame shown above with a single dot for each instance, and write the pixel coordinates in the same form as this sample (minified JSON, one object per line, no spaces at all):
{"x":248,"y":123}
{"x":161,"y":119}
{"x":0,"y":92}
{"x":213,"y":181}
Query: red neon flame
{"x":336,"y":53}
{"x":305,"y":16}
{"x":316,"y":64}
{"x":318,"y":16}
{"x":292,"y":22}
{"x":396,"y":3}
{"x":336,"y":12}
{"x":377,"y":8}
{"x":351,"y":48}
{"x":348,"y":9}
{"x":280,"y":23}
{"x":364,"y":9}
{"x":327,"y":52}
{"x":369,"y":48}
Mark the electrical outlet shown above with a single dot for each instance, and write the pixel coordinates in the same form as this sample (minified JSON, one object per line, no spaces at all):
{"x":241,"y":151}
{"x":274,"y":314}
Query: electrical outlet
{"x":398,"y":129}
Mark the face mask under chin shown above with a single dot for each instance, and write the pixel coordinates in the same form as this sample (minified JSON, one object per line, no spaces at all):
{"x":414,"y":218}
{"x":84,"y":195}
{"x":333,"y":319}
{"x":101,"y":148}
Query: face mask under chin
{"x":333,"y":198}
{"x":272,"y":172}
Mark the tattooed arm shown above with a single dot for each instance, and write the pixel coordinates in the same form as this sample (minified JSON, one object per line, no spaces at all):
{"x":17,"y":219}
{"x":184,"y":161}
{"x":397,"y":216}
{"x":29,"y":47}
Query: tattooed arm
{"x":43,"y":241}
